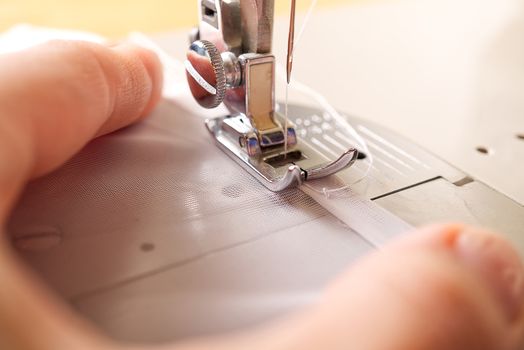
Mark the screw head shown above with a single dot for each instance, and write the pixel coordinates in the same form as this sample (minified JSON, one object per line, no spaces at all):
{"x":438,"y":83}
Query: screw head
{"x":291,"y":137}
{"x":252,"y":146}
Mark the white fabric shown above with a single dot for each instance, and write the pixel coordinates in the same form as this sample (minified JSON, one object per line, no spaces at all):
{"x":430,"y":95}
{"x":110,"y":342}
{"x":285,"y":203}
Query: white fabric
{"x":155,"y":234}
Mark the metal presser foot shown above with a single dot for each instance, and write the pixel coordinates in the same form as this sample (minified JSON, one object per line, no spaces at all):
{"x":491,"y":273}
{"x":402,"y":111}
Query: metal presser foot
{"x":229,"y":61}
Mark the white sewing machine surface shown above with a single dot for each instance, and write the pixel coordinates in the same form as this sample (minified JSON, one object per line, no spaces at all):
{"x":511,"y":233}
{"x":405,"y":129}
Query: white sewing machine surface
{"x":155,"y":234}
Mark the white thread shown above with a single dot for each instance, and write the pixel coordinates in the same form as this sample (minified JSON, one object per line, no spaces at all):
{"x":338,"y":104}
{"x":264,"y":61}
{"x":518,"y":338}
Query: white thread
{"x":326,"y":106}
{"x":286,"y":121}
{"x":199,"y":79}
{"x":341,"y":121}
{"x":312,"y":6}
{"x":309,"y":12}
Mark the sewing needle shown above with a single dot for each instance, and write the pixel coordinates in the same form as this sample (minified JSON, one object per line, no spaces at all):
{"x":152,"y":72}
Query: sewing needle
{"x":289,"y":66}
{"x":290,"y":42}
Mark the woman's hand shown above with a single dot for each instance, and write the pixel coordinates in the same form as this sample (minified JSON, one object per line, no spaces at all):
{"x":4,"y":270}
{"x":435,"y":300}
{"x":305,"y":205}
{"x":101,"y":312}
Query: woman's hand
{"x":445,"y":287}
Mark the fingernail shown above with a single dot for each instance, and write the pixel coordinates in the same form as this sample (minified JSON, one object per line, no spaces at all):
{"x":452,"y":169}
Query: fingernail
{"x":497,"y":264}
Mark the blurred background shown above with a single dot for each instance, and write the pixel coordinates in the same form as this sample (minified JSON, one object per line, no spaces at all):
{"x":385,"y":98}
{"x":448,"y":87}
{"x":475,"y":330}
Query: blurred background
{"x":118,"y":17}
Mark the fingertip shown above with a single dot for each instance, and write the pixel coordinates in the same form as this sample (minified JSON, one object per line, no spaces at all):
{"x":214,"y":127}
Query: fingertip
{"x":154,"y":69}
{"x":496,"y":263}
{"x":137,"y":86}
{"x":433,"y":235}
{"x":486,"y":255}
{"x":485,"y":258}
{"x":77,"y":90}
{"x":445,"y":286}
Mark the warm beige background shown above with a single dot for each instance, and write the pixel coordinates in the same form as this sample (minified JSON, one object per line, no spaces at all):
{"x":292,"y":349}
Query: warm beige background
{"x":117,"y":17}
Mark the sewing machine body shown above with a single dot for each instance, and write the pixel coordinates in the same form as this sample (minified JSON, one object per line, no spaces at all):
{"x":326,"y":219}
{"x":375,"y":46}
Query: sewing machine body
{"x":155,"y":234}
{"x":317,"y":138}
{"x":231,"y":48}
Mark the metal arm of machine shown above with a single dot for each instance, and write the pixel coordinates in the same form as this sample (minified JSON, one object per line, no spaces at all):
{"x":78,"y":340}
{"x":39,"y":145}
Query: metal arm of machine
{"x":230,"y":61}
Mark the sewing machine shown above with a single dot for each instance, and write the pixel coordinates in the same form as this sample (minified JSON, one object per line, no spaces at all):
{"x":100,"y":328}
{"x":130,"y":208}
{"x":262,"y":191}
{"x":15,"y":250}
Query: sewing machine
{"x":155,"y":233}
{"x":231,"y":47}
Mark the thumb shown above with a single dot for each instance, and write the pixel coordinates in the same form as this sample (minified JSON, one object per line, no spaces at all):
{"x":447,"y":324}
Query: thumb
{"x":447,"y":287}
{"x":54,"y":98}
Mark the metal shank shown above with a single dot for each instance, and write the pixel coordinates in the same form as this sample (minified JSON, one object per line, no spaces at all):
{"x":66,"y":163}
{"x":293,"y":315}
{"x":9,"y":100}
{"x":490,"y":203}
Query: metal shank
{"x":237,"y":34}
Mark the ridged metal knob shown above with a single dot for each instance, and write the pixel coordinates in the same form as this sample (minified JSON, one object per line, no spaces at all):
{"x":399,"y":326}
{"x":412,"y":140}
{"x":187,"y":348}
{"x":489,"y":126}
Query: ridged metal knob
{"x":205,"y":73}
